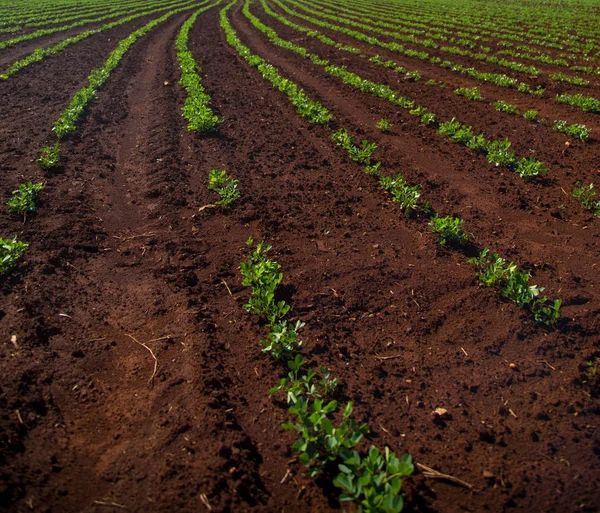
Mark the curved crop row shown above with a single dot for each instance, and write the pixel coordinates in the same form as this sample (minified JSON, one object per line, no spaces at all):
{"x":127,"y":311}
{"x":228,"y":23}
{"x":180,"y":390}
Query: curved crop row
{"x":196,"y":108}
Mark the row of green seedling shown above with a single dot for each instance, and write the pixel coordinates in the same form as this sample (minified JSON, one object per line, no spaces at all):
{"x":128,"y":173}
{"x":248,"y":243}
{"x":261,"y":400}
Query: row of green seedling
{"x":196,"y":109}
{"x":328,"y":436}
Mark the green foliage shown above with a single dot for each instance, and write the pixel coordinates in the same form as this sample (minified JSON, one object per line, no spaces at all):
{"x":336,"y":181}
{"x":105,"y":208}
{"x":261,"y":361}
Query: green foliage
{"x":25,"y":199}
{"x":384,"y":125}
{"x":472,"y":93}
{"x":586,"y":194}
{"x":586,"y":103}
{"x":577,"y":131}
{"x":498,"y":153}
{"x":570,"y":80}
{"x":530,"y":115}
{"x":494,"y":271}
{"x":401,"y":192}
{"x":449,"y":231}
{"x":49,"y":157}
{"x":10,"y":251}
{"x":529,"y":167}
{"x":283,"y":337}
{"x":361,"y":154}
{"x":374,"y":481}
{"x":502,"y":106}
{"x":196,"y":108}
{"x":225,"y":186}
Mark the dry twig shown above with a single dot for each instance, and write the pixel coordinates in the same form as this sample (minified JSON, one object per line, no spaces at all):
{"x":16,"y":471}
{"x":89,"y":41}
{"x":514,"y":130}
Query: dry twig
{"x":434,"y":474}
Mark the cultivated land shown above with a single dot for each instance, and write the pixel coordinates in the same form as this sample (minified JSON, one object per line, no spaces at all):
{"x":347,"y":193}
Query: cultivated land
{"x":368,"y":144}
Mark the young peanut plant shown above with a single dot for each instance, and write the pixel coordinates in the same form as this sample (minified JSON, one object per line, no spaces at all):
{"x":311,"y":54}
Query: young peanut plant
{"x":10,"y":252}
{"x":448,"y":230}
{"x":25,"y":199}
{"x":225,"y":186}
{"x":49,"y":157}
{"x":586,"y":194}
{"x":494,"y":271}
{"x":384,"y":125}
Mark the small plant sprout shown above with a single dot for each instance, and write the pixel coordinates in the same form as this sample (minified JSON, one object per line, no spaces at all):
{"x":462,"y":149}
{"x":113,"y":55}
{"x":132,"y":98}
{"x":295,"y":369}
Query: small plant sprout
{"x":472,"y":93}
{"x":530,"y":115}
{"x":401,"y":192}
{"x":577,"y":131}
{"x":502,"y":106}
{"x":49,"y":157}
{"x":494,"y":271}
{"x":384,"y":125}
{"x":25,"y":199}
{"x":225,"y":186}
{"x":10,"y":251}
{"x":448,"y":230}
{"x":586,"y":194}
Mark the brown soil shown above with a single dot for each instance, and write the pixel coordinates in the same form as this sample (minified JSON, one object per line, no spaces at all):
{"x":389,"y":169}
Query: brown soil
{"x":122,"y":262}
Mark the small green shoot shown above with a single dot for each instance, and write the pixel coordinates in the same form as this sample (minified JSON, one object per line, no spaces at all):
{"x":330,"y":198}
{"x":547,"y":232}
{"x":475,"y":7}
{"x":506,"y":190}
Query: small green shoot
{"x":225,"y":186}
{"x":448,"y":230}
{"x":401,"y":192}
{"x":472,"y":93}
{"x":384,"y":125}
{"x":586,"y":194}
{"x":577,"y":131}
{"x":10,"y":251}
{"x":49,"y":157}
{"x":25,"y":199}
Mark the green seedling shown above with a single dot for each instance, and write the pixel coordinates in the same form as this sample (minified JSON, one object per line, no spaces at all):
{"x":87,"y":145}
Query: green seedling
{"x":472,"y":93}
{"x":384,"y":125}
{"x":225,"y":186}
{"x":530,"y":115}
{"x":10,"y":252}
{"x":494,"y":271}
{"x":586,"y":194}
{"x":49,"y":157}
{"x":401,"y":192}
{"x":25,"y":199}
{"x":502,"y":106}
{"x":448,"y":230}
{"x":577,"y":131}
{"x":283,"y":338}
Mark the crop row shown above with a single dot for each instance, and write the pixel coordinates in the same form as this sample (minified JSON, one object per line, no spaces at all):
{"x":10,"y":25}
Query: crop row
{"x":196,"y":109}
{"x":41,"y":53}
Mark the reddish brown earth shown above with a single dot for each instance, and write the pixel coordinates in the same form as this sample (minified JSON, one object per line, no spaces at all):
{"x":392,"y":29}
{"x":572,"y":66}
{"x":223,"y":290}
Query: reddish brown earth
{"x":121,"y":256}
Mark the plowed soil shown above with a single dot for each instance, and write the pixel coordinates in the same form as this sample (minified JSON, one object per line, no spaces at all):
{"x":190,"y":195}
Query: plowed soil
{"x":133,"y":378}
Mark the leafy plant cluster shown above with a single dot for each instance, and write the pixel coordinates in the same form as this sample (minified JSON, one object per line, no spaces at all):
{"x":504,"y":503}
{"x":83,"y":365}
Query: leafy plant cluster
{"x":585,"y":103}
{"x":384,"y":125}
{"x":497,"y":152}
{"x":502,"y":106}
{"x":313,"y":111}
{"x":577,"y":131}
{"x":586,"y":194}
{"x":49,"y":157}
{"x":449,"y":231}
{"x":25,"y":199}
{"x":361,"y":154}
{"x":328,"y":436}
{"x":196,"y":109}
{"x":570,"y":80}
{"x":10,"y":252}
{"x":494,"y":271}
{"x":470,"y":93}
{"x":226,"y":186}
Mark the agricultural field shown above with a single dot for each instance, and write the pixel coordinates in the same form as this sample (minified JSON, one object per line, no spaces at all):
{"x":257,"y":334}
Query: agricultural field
{"x":300,"y":256}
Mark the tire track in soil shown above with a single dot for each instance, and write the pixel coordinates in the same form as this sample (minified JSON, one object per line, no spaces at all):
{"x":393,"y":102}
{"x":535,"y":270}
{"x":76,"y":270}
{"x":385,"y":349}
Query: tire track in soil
{"x":511,"y":216}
